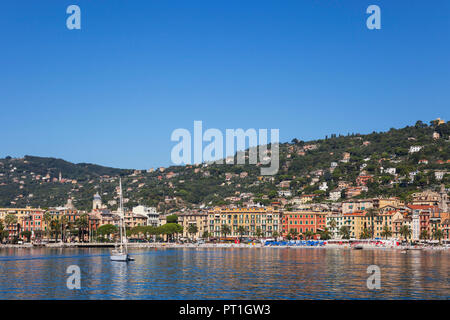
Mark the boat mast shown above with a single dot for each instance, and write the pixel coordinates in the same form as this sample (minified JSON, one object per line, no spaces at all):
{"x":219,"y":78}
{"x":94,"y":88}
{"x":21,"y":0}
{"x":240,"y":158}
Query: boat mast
{"x":120,"y":211}
{"x":122,"y":225}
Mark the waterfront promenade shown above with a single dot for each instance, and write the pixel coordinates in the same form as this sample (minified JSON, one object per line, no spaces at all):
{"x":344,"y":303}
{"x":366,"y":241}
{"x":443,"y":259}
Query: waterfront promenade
{"x":221,"y":245}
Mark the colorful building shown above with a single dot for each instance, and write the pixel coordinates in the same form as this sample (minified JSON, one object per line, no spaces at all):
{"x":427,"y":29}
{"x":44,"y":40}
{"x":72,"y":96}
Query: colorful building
{"x":265,"y":220}
{"x":303,"y":221}
{"x":198,"y":219}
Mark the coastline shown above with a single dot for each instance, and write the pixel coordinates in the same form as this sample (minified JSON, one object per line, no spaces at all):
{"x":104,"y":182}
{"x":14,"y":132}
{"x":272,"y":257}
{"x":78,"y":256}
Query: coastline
{"x":162,"y":245}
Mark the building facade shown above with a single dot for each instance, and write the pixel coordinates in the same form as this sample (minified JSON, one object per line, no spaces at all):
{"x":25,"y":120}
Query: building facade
{"x":254,"y":220}
{"x":303,"y":221}
{"x":197,"y":219}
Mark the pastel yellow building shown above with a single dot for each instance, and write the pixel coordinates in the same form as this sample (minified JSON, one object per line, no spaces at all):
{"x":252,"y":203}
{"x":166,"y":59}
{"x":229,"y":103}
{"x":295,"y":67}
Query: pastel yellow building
{"x":198,"y":219}
{"x":266,"y":220}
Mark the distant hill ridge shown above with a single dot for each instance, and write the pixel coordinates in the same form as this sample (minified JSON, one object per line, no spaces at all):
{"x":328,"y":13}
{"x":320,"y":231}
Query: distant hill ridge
{"x":307,"y":165}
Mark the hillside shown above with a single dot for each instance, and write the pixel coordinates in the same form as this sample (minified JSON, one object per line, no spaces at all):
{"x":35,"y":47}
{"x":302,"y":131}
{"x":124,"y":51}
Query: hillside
{"x":313,"y":167}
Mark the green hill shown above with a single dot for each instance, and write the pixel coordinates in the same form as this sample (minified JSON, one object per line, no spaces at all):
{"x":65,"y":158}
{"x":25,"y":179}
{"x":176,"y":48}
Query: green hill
{"x":305,"y":164}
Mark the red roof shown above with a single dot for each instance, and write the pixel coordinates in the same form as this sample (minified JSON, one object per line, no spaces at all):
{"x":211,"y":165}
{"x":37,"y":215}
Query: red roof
{"x":420,"y":207}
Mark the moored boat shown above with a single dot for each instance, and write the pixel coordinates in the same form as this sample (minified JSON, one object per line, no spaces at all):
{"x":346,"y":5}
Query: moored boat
{"x":120,"y":253}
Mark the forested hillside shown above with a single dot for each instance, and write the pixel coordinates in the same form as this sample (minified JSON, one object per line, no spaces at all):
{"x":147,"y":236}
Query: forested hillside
{"x":386,"y":156}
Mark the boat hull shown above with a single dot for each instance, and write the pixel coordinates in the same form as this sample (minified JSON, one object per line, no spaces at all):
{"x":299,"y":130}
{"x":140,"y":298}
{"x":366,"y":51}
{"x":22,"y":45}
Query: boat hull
{"x":120,"y":257}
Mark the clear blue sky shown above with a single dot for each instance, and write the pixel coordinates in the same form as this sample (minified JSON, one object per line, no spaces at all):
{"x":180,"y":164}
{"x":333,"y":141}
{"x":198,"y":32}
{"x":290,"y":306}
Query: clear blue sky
{"x":113,"y":92}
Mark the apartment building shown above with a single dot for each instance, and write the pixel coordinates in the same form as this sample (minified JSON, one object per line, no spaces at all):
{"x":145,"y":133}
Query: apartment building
{"x":355,"y":205}
{"x":253,"y":219}
{"x":303,"y":221}
{"x":150,"y":212}
{"x":198,"y":219}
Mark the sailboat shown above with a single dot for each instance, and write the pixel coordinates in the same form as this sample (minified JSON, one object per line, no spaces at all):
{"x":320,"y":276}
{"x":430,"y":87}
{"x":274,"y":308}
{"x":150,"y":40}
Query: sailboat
{"x":120,"y":252}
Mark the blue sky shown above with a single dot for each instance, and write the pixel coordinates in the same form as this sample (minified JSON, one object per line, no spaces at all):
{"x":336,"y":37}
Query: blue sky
{"x":113,"y":92}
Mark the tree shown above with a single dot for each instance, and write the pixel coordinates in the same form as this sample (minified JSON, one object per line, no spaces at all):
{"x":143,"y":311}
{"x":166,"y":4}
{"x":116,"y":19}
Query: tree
{"x":386,"y":232}
{"x":64,"y":222}
{"x":205,"y":234}
{"x":173,"y":218}
{"x":148,"y":231}
{"x":55,"y":227}
{"x":138,"y":231}
{"x":107,"y":230}
{"x":38,"y":234}
{"x":438,"y":235}
{"x":333,"y":225}
{"x":424,"y":235}
{"x":365,"y":234}
{"x":241,"y":231}
{"x":171,"y":230}
{"x":309,"y":234}
{"x":26,"y":234}
{"x":177,"y":229}
{"x":372,"y":213}
{"x":293,"y":233}
{"x":275,"y":234}
{"x":4,"y":234}
{"x":192,"y":229}
{"x":47,"y":220}
{"x":258,"y":232}
{"x":82,"y":224}
{"x":225,"y":230}
{"x":344,"y":231}
{"x":325,"y":234}
{"x":405,"y":231}
{"x":10,"y":219}
{"x":272,"y":194}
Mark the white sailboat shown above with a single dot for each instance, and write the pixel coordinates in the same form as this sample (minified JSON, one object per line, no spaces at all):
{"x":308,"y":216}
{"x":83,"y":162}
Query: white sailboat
{"x":120,"y":252}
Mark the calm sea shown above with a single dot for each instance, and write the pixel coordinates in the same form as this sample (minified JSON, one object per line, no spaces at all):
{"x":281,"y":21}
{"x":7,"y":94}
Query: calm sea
{"x":224,"y":273}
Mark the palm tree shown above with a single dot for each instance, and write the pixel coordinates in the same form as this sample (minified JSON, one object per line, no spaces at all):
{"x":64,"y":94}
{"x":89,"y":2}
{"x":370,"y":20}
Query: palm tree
{"x":344,"y":231}
{"x":38,"y":234}
{"x":405,"y":231}
{"x":372,"y":213}
{"x":225,"y":230}
{"x":424,"y":235}
{"x":438,"y":235}
{"x":206,"y":235}
{"x":308,"y":234}
{"x":4,"y":234}
{"x":47,"y":220}
{"x":10,"y":219}
{"x":293,"y":233}
{"x":26,"y":234}
{"x":325,"y":234}
{"x":192,"y":229}
{"x":82,"y":223}
{"x":55,"y":226}
{"x":365,"y":234}
{"x":64,"y":222}
{"x":333,"y":225}
{"x":258,"y":232}
{"x":386,"y":232}
{"x":241,"y":231}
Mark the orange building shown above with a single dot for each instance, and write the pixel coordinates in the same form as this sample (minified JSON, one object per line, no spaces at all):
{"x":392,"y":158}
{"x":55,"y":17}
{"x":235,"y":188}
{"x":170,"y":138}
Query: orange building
{"x":303,"y":221}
